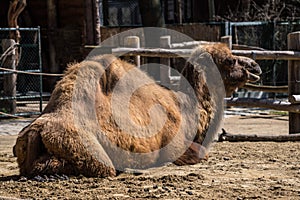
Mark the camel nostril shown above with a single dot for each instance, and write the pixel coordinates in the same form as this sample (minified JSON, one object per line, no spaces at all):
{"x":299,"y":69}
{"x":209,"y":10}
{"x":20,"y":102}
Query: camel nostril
{"x":250,"y":65}
{"x":257,"y":70}
{"x":254,"y":69}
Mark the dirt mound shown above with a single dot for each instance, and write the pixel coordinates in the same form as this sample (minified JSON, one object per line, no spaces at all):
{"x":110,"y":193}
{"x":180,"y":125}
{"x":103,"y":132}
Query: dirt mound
{"x":257,"y":170}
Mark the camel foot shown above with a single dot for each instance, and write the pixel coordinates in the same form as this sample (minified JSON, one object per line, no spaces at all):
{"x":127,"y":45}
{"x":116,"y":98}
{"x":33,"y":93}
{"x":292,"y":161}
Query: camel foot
{"x":45,"y":178}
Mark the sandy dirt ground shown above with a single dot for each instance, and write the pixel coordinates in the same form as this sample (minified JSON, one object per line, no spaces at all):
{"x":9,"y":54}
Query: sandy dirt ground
{"x":248,"y":170}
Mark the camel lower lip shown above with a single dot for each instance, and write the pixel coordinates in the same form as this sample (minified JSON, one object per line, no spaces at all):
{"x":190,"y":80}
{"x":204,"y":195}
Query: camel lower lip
{"x":253,"y":77}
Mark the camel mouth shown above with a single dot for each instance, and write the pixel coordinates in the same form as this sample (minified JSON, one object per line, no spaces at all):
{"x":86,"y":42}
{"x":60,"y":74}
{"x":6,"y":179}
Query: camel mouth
{"x":253,"y":77}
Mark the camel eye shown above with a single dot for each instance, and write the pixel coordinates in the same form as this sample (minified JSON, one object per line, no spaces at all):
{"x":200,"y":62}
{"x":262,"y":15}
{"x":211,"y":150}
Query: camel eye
{"x":230,"y":61}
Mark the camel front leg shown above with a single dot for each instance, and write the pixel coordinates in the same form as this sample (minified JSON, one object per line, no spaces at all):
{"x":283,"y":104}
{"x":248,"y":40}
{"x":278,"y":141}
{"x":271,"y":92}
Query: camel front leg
{"x":32,"y":156}
{"x":80,"y":150}
{"x":28,"y":148}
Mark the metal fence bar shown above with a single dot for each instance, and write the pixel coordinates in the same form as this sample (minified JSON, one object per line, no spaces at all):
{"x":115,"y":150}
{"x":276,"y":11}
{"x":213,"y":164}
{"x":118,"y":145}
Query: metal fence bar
{"x":30,"y":63}
{"x":41,"y":69}
{"x":228,"y":25}
{"x":20,"y":29}
{"x":8,"y":72}
{"x":255,"y":23}
{"x":268,"y":55}
{"x":23,"y":97}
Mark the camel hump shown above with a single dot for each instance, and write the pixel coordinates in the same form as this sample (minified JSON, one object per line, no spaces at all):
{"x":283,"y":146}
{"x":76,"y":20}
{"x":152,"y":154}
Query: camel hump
{"x":105,"y":60}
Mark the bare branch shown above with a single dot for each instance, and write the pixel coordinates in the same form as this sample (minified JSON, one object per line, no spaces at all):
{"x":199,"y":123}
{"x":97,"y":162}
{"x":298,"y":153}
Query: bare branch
{"x":15,"y":9}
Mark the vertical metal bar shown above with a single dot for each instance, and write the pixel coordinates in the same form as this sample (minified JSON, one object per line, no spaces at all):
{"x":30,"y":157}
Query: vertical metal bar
{"x":105,"y":10}
{"x":226,"y":27}
{"x":40,"y":66}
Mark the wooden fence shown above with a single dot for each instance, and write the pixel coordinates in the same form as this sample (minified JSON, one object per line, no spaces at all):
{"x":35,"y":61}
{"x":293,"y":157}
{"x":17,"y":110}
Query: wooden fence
{"x":168,"y":50}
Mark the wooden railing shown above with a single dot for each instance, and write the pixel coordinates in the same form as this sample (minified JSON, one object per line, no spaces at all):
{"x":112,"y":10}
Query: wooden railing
{"x":177,"y":50}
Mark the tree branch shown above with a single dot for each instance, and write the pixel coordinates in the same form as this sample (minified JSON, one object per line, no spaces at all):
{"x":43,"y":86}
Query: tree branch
{"x":15,"y":9}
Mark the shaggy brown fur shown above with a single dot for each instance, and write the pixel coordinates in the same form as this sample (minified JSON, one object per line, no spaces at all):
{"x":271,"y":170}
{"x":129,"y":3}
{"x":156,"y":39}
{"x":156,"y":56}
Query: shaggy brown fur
{"x":75,"y":137}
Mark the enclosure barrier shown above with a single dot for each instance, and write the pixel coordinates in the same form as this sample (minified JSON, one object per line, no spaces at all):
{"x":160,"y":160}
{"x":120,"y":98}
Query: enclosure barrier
{"x":177,"y":53}
{"x":294,"y":82}
{"x":20,"y":93}
{"x":266,"y":88}
{"x":166,"y":52}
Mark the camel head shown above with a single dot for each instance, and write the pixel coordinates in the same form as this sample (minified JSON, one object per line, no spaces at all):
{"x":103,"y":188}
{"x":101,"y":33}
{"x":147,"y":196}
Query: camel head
{"x":235,"y":70}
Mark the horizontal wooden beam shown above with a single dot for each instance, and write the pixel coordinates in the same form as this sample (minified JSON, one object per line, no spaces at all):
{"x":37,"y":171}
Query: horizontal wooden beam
{"x":258,"y":138}
{"x":257,"y":55}
{"x":295,"y":99}
{"x":268,"y":55}
{"x":175,"y":53}
{"x":266,"y":88}
{"x":155,"y":52}
{"x":246,"y":47}
{"x":190,"y":44}
{"x":263,"y":103}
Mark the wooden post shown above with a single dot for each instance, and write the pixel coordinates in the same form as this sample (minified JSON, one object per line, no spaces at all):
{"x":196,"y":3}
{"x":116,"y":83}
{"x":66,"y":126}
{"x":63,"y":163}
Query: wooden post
{"x":166,"y":11}
{"x":15,"y":9}
{"x":9,"y":80}
{"x":165,"y":72}
{"x":151,"y":13}
{"x":294,"y":80}
{"x":133,"y":42}
{"x":96,"y":23}
{"x":178,"y":11}
{"x":197,"y":8}
{"x":105,"y":8}
{"x":227,"y":40}
{"x":89,"y":25}
{"x":152,"y":16}
{"x":92,"y":25}
{"x":52,"y":26}
{"x":211,"y":8}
